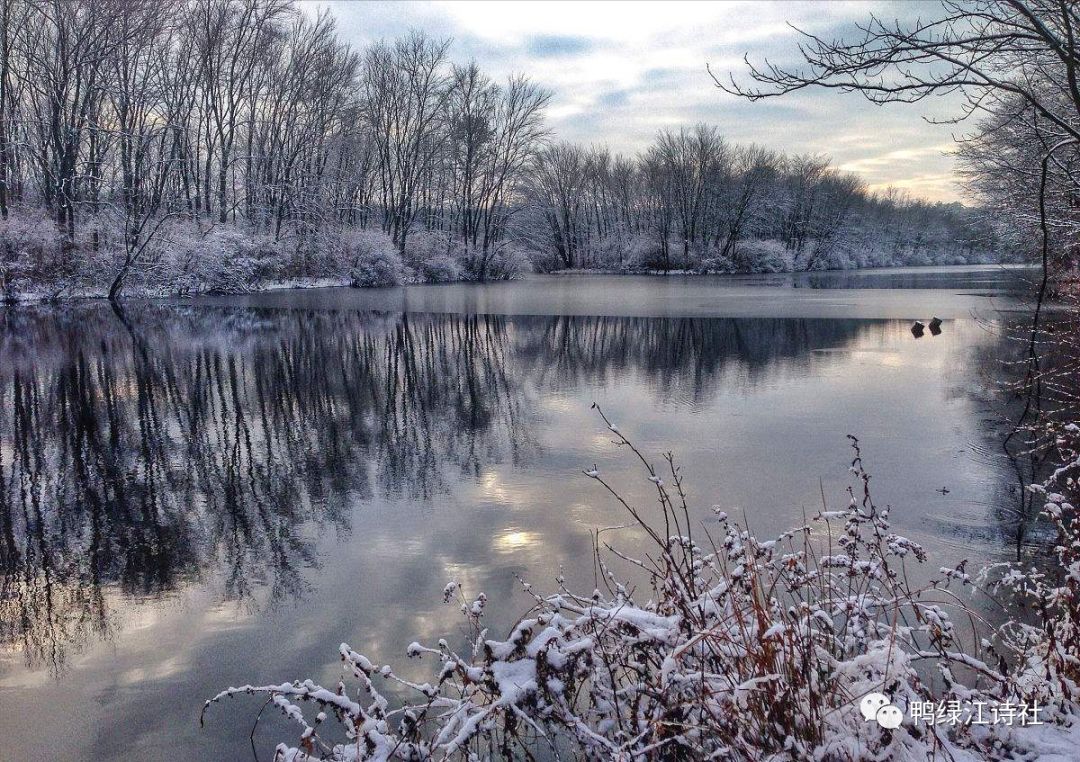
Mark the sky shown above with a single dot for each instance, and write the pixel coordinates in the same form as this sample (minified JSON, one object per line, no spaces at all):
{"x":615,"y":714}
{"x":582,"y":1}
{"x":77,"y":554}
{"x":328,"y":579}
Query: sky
{"x":621,"y":72}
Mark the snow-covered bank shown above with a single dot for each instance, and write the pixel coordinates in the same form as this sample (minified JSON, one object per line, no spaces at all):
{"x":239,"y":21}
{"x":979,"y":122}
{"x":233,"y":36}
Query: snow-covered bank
{"x":38,"y":263}
{"x":183,"y":258}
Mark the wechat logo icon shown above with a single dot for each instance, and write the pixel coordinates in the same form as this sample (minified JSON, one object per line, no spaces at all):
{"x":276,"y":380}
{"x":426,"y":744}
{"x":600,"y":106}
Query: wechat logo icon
{"x":876,"y":706}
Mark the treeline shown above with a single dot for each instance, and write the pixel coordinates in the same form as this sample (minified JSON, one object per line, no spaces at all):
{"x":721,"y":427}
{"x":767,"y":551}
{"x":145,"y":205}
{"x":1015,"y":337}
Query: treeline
{"x":695,"y":201}
{"x":219,"y":144}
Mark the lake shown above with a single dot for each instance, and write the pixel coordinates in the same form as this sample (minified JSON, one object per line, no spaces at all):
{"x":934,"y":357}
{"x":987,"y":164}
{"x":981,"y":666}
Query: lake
{"x":211,"y":492}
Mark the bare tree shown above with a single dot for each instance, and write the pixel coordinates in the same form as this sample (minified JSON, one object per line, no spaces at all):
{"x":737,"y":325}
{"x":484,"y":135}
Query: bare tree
{"x":558,"y":189}
{"x":67,"y":47}
{"x":230,"y":35}
{"x":405,"y":92}
{"x":494,"y":134}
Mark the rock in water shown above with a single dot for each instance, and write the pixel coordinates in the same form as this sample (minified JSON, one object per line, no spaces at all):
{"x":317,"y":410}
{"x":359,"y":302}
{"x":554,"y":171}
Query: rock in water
{"x":917,"y":329}
{"x":935,"y":326}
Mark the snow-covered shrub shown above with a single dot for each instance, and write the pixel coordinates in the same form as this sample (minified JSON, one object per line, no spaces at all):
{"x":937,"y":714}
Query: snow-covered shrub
{"x":543,"y":260}
{"x":508,"y":262}
{"x":430,"y":257}
{"x":321,"y":253}
{"x":502,"y":261}
{"x":917,"y":257}
{"x":611,"y":253}
{"x":424,"y":246}
{"x":642,"y":252}
{"x":834,"y":257}
{"x":433,"y":257}
{"x":31,"y":253}
{"x":716,"y":262}
{"x":372,"y":259}
{"x":763,"y":256}
{"x":440,"y":269}
{"x":222,"y":261}
{"x":646,"y":252}
{"x":739,"y":648}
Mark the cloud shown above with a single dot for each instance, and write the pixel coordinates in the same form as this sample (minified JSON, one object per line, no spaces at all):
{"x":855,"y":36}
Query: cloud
{"x":614,"y":98}
{"x":621,"y":72}
{"x":556,"y":45}
{"x":881,"y":162}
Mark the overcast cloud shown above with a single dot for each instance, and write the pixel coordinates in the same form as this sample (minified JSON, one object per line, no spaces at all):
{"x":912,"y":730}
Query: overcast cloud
{"x":622,"y":71}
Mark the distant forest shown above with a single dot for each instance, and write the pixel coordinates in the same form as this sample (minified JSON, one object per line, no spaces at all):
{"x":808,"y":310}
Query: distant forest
{"x":225,"y":145}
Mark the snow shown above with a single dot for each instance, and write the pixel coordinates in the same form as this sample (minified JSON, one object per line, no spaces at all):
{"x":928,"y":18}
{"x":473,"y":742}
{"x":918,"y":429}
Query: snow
{"x":514,"y":679}
{"x":775,"y":631}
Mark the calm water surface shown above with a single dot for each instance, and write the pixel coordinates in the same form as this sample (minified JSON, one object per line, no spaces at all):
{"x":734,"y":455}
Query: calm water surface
{"x":197,"y":494}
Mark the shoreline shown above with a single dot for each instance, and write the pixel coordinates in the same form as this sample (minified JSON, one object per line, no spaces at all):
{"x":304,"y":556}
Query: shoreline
{"x":309,"y":284}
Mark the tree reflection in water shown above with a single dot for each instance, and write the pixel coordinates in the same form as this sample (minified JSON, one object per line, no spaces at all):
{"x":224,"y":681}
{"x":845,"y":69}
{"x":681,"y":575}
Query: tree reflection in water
{"x":144,"y":449}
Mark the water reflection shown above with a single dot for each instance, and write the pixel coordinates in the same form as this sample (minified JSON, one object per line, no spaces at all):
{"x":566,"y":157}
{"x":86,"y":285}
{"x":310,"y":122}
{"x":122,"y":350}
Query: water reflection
{"x":686,"y":359}
{"x":217,"y":491}
{"x":141,"y":450}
